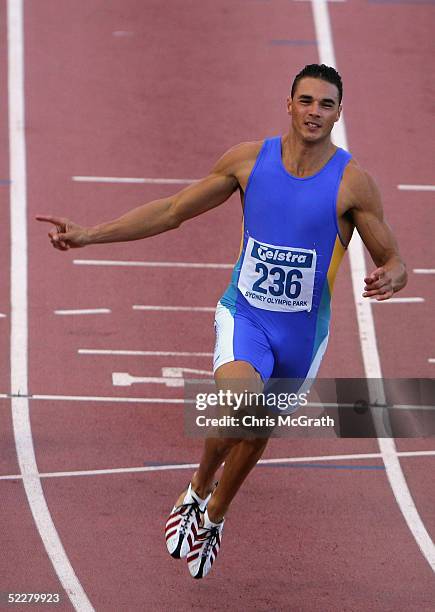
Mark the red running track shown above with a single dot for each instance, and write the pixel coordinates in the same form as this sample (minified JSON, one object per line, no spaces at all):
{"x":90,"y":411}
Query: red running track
{"x":137,"y":89}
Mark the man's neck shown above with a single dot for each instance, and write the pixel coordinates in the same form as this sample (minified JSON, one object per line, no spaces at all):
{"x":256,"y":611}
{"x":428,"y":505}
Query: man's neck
{"x":302,"y":158}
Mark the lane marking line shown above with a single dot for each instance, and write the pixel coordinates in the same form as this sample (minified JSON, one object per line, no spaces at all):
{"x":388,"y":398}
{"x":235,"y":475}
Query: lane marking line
{"x":176,"y":308}
{"x":83,"y":311}
{"x":142,"y":353}
{"x":114,"y":179}
{"x":431,"y":360}
{"x":124,"y":379}
{"x":412,"y":2}
{"x":416,"y":187}
{"x":189,"y":466}
{"x":323,"y":466}
{"x":151,"y":264}
{"x":292,"y":42}
{"x":96,"y":398}
{"x":169,"y":400}
{"x":403,"y":300}
{"x":370,"y":354}
{"x":171,"y":377}
{"x":424,"y":270}
{"x":2,"y":316}
{"x":22,"y":429}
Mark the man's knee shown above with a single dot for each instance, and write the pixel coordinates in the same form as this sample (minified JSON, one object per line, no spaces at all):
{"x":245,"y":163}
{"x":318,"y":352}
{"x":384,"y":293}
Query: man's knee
{"x":255,"y":444}
{"x":222,"y":446}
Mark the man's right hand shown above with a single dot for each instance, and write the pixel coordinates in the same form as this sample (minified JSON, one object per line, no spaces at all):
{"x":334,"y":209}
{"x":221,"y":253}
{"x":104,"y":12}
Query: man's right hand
{"x":66,"y":235}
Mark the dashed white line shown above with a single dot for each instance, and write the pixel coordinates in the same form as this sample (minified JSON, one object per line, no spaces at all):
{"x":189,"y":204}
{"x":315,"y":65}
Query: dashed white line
{"x":2,"y":316}
{"x":416,"y":187}
{"x":142,"y":353}
{"x":372,"y":365}
{"x":171,"y":377}
{"x":124,"y":379}
{"x":190,"y":466}
{"x":162,"y":400}
{"x":83,"y":311}
{"x":19,"y":314}
{"x":151,"y":264}
{"x":400,"y":300}
{"x":424,"y":270}
{"x":114,"y":179}
{"x":176,"y":308}
{"x":119,"y":400}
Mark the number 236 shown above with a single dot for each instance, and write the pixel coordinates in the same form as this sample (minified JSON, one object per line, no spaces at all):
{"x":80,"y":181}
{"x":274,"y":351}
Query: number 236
{"x":281,"y":283}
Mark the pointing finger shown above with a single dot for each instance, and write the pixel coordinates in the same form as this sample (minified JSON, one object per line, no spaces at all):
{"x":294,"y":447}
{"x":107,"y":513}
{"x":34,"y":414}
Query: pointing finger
{"x":50,"y":219}
{"x":44,"y":218}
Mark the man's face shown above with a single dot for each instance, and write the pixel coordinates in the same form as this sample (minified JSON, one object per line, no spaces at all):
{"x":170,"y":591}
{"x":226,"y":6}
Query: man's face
{"x":314,"y":108}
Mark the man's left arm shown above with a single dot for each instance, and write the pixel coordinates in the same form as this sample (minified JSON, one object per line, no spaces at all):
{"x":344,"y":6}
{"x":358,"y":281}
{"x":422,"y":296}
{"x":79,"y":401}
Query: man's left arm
{"x":368,"y":217}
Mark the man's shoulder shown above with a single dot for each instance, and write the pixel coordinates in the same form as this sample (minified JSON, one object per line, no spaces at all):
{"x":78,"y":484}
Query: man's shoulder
{"x":246,"y":150}
{"x":357,"y":182}
{"x":238,"y":157}
{"x":356,"y":175}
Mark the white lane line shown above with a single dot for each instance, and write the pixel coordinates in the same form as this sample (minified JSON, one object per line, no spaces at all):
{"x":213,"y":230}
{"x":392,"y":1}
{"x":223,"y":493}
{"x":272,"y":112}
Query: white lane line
{"x":142,"y":353}
{"x":372,"y":365}
{"x":83,"y":311}
{"x":176,"y":308}
{"x":115,"y":179}
{"x":124,"y":379}
{"x":424,"y":270}
{"x":171,"y":377}
{"x":398,"y":300}
{"x":190,"y":466}
{"x":431,"y":360}
{"x":151,"y":264}
{"x":166,"y":400}
{"x":2,"y":316}
{"x":19,"y":314}
{"x":416,"y":187}
{"x":410,"y":407}
{"x":119,"y":400}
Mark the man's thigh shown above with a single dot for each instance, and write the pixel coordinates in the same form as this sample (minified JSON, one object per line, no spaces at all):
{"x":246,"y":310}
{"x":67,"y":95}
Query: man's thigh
{"x":243,"y":387}
{"x":236,"y":375}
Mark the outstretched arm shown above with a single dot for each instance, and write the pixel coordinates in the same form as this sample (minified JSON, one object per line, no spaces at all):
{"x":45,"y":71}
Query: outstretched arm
{"x":157,"y":216}
{"x":367,"y":213}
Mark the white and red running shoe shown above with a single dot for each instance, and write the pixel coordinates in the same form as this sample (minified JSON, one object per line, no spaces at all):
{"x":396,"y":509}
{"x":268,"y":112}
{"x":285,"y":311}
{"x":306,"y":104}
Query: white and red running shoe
{"x":179,"y":523}
{"x":204,"y":547}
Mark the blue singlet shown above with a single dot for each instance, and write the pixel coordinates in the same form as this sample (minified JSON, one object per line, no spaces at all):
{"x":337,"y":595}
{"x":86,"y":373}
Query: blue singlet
{"x":275,"y":313}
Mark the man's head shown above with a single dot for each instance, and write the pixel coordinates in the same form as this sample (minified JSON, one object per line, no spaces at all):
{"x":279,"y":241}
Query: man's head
{"x":315,"y":102}
{"x":319,"y":71}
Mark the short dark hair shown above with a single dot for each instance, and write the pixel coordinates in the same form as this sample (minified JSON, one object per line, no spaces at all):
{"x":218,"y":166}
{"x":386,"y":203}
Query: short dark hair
{"x":320,"y":71}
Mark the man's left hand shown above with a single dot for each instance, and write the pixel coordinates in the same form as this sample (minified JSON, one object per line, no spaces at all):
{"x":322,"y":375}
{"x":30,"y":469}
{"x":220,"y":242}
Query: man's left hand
{"x":379,"y":285}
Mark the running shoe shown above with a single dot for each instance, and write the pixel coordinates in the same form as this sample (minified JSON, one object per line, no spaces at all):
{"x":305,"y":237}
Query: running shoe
{"x":179,"y":523}
{"x":206,"y":541}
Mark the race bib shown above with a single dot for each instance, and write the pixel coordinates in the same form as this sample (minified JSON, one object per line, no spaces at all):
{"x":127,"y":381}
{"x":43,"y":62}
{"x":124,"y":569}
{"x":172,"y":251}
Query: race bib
{"x":276,"y":277}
